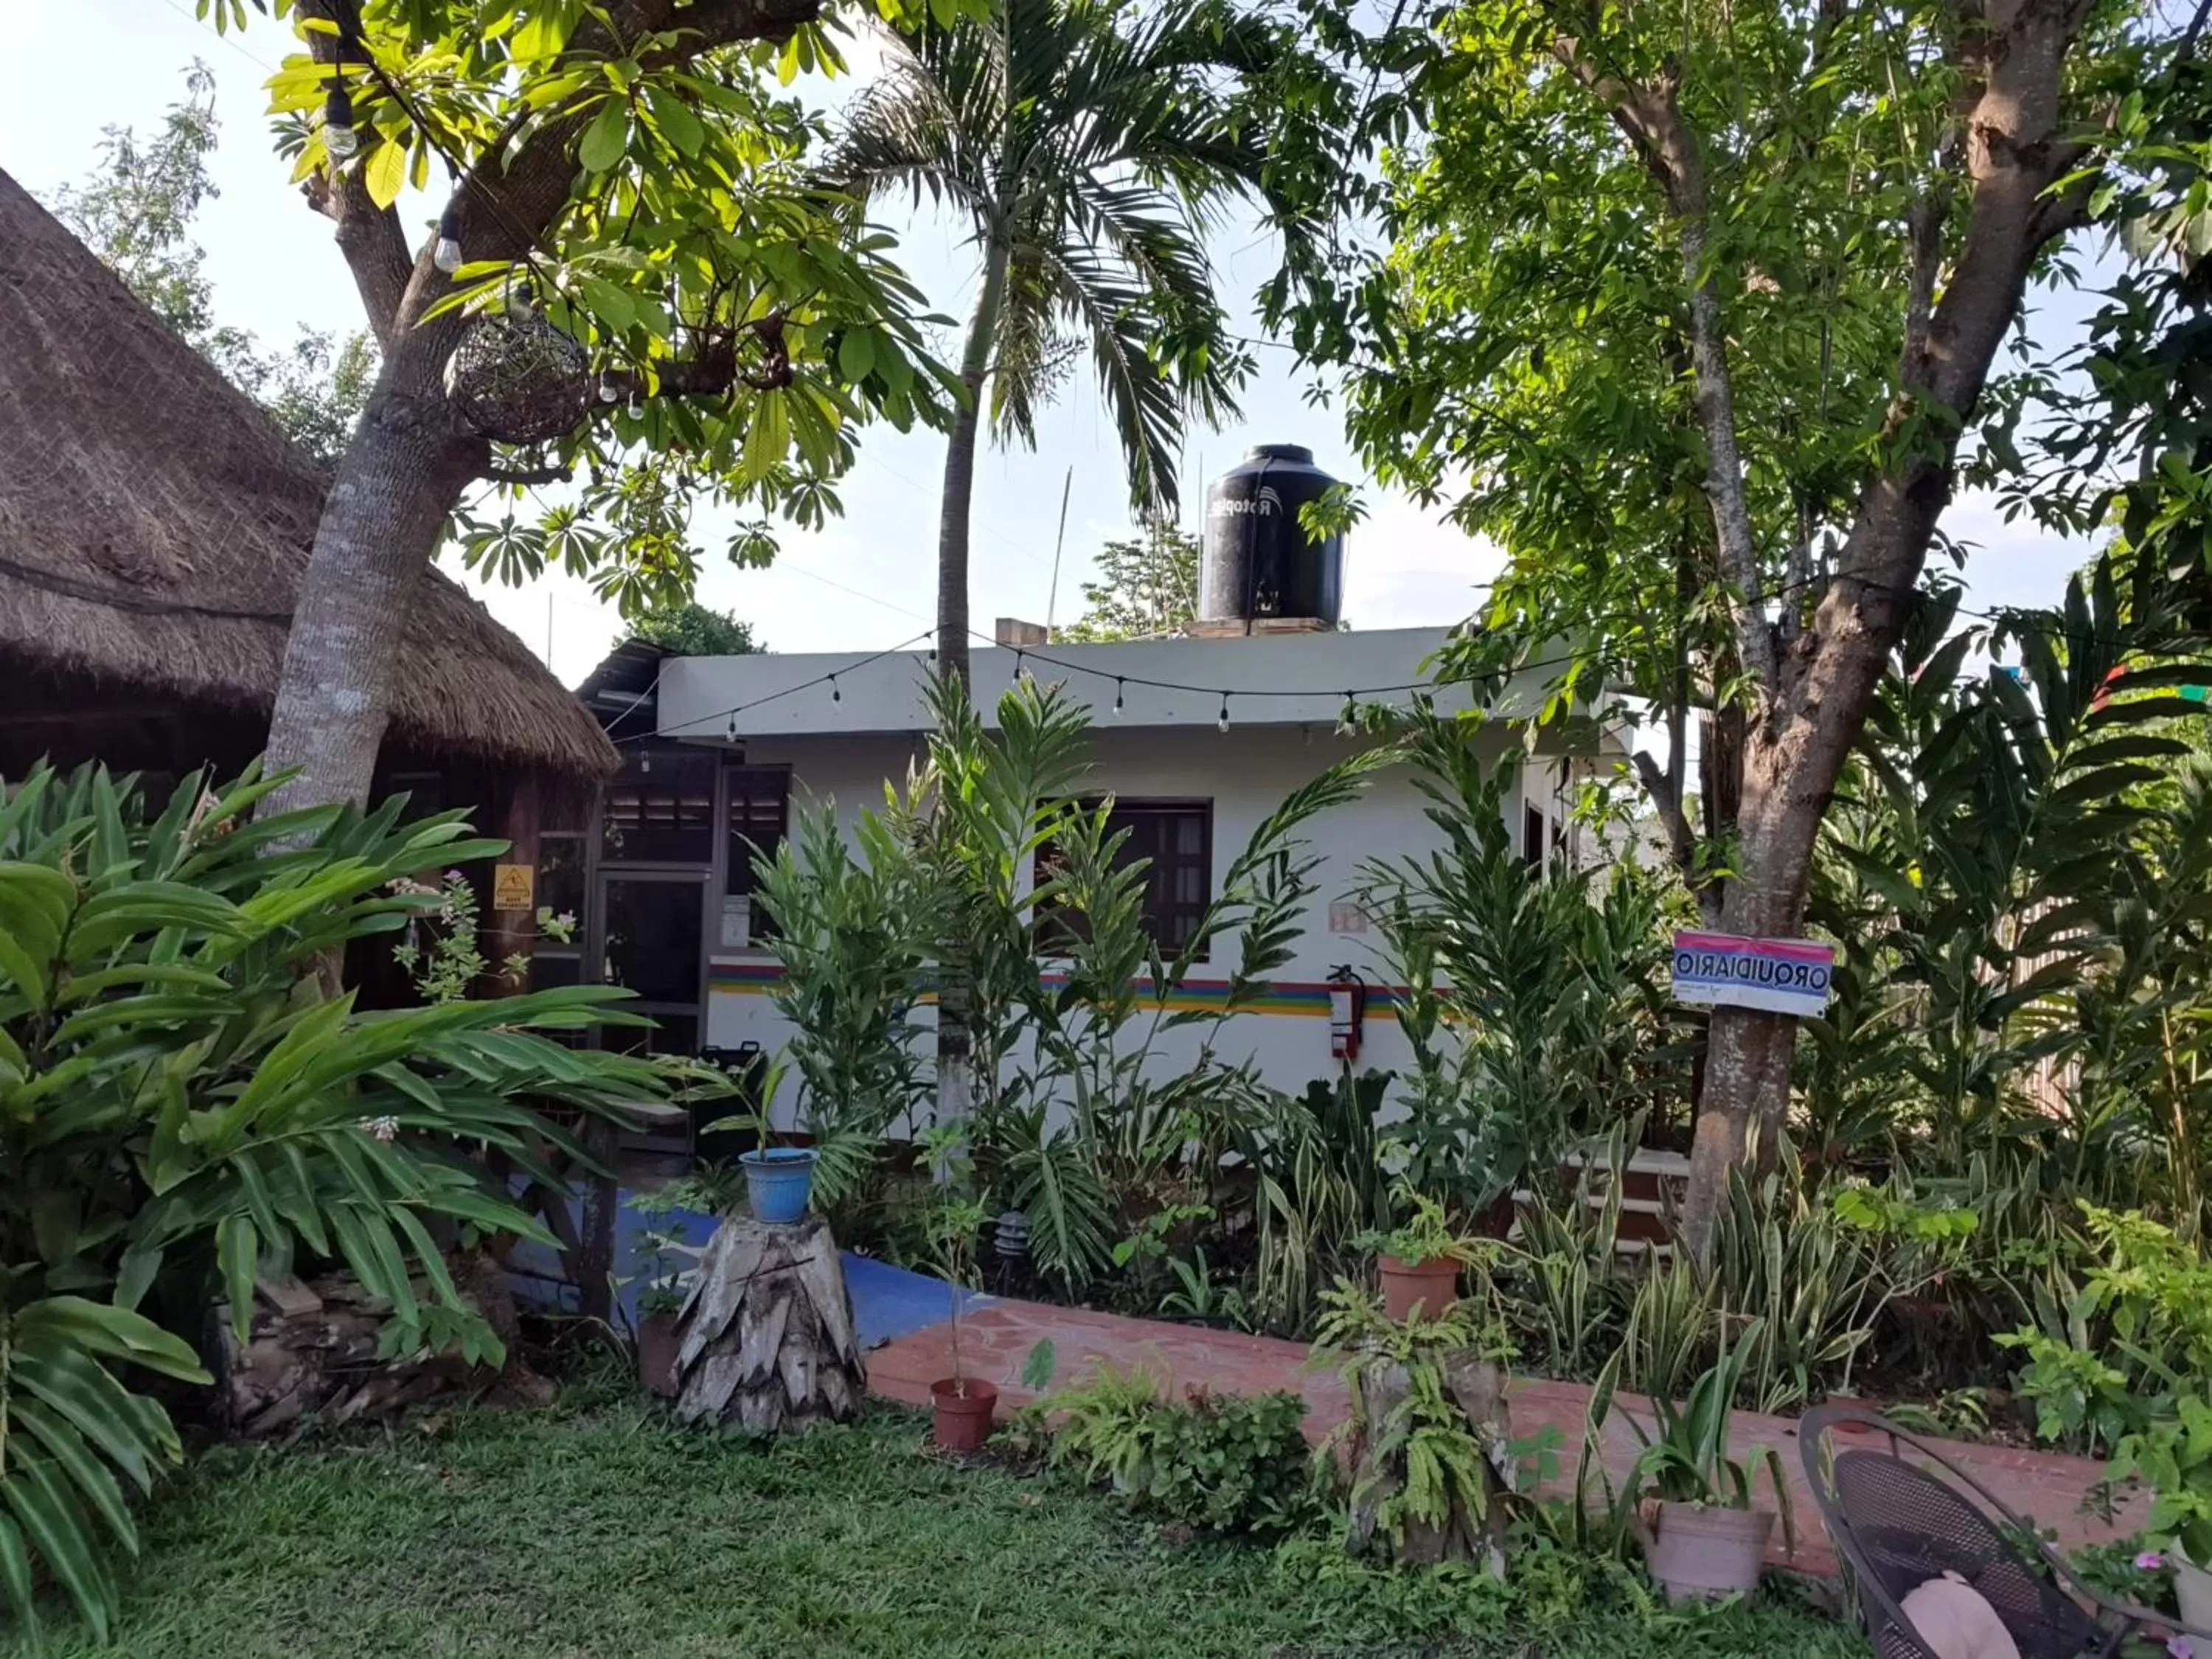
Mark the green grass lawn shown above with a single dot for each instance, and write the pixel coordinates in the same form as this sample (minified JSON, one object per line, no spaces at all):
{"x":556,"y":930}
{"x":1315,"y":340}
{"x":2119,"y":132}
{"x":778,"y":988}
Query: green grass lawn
{"x":601,"y":1530}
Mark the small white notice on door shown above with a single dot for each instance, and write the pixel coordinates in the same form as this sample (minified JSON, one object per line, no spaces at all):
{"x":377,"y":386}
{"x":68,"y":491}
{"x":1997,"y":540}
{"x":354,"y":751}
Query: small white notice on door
{"x":736,"y":922}
{"x":1344,"y":918}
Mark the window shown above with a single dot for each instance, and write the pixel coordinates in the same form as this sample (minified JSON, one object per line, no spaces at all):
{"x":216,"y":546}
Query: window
{"x":759,"y":798}
{"x":1177,"y":837}
{"x":661,"y":810}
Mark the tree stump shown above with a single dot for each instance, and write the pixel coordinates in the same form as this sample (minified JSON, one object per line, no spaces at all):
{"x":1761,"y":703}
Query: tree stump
{"x":1474,"y":1533}
{"x":312,"y":1351}
{"x":765,"y":1339}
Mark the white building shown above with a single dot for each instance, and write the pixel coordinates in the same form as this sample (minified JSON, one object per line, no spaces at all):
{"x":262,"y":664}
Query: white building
{"x":723,"y":750}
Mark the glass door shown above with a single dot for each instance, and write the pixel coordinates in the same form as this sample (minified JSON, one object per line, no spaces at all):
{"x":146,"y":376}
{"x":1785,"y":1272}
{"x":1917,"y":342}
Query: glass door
{"x":651,"y":933}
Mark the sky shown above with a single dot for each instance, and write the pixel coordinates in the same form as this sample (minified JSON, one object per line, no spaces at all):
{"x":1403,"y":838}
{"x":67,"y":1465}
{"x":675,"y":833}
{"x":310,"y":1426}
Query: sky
{"x":866,"y":582}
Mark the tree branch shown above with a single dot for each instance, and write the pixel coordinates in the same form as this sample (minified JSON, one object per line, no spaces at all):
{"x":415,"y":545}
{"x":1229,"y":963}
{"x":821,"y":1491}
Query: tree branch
{"x":531,"y":474}
{"x":509,"y":200}
{"x":1651,"y":118}
{"x":1667,"y":800}
{"x":371,"y":238}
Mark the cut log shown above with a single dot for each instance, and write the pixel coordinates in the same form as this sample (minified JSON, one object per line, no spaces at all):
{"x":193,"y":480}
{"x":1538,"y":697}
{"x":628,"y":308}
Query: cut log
{"x":765,"y":1341}
{"x":312,"y":1351}
{"x":1471,"y":1531}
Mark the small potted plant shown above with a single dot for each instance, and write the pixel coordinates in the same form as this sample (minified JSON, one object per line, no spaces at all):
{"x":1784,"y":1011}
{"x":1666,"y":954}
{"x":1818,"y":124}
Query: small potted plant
{"x":2174,"y":1455}
{"x":1688,"y":1502}
{"x":1419,"y":1260}
{"x":961,"y":1406}
{"x":661,"y":1290}
{"x":779,"y":1180}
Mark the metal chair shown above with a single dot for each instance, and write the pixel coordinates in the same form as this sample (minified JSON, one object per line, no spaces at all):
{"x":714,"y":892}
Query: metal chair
{"x":1900,"y":1512}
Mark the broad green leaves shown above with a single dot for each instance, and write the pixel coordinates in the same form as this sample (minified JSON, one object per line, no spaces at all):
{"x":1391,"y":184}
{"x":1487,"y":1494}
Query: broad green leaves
{"x":177,"y":1100}
{"x":698,"y":256}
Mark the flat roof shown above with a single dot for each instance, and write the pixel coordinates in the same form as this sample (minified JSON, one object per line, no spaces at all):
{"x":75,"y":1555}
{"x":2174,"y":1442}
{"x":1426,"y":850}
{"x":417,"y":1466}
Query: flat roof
{"x":1277,"y":679}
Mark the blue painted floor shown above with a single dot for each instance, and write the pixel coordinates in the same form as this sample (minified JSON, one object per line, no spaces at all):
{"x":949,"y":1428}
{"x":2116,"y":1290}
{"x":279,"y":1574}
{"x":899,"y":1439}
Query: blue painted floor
{"x":888,"y":1301}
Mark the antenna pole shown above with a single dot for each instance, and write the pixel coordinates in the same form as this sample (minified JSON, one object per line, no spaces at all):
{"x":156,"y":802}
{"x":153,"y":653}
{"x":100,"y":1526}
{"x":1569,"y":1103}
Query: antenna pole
{"x":1059,"y":541}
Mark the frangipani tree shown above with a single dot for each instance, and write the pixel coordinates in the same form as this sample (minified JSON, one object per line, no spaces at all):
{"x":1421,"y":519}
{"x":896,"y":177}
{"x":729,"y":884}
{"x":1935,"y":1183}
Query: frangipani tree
{"x":636,"y":281}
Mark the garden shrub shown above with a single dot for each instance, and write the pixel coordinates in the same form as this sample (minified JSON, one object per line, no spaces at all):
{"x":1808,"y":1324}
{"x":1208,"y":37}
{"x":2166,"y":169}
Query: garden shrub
{"x":180,"y":1105}
{"x":1217,"y":1462}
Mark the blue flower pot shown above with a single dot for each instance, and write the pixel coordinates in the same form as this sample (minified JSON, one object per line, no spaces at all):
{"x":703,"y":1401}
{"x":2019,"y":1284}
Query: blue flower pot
{"x":779,"y":1180}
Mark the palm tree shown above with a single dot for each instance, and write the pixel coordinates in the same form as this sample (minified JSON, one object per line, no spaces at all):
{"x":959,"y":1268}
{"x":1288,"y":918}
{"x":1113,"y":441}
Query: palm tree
{"x":1090,"y":145}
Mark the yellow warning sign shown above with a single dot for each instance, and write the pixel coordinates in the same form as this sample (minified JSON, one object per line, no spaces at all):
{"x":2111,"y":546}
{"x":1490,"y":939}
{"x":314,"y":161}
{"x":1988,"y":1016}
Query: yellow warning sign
{"x":513,"y":885}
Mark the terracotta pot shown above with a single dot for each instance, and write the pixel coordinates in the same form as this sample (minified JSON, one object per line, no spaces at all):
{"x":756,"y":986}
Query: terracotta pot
{"x":2193,"y":1588}
{"x":1698,"y":1553}
{"x":1852,"y":1430}
{"x":961,"y":1408}
{"x":656,"y":1353}
{"x":1430,"y":1285}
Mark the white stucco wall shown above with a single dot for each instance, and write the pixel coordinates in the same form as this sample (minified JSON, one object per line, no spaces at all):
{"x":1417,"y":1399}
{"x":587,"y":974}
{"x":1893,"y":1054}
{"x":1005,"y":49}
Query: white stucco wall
{"x":1245,"y":774}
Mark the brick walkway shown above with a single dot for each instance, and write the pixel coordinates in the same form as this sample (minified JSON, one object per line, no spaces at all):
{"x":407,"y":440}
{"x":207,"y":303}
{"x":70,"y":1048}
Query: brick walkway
{"x":996,"y":1337}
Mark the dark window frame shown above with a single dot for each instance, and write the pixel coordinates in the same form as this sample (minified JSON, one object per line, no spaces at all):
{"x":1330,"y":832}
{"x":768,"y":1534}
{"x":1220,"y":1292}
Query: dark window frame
{"x":750,"y":784}
{"x":1169,"y":920}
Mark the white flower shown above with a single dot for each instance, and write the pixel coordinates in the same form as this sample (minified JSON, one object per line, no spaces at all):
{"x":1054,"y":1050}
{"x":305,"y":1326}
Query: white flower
{"x":384,"y":1128}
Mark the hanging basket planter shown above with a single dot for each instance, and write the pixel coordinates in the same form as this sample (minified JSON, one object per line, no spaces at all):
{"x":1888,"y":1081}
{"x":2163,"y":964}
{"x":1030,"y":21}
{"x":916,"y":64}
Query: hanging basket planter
{"x":516,"y":379}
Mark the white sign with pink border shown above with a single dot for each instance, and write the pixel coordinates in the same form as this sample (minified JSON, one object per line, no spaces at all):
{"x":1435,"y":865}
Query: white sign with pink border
{"x":1781,"y":976}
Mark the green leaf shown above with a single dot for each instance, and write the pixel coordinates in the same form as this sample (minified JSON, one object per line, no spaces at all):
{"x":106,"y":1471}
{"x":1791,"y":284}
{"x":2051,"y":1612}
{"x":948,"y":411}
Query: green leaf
{"x":385,"y":174}
{"x":856,"y":353}
{"x":676,"y":121}
{"x":611,"y":306}
{"x":606,"y":140}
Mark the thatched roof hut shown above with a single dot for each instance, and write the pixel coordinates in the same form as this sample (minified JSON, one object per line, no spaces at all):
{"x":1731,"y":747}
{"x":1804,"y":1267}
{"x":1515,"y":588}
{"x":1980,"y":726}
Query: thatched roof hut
{"x":153,"y":525}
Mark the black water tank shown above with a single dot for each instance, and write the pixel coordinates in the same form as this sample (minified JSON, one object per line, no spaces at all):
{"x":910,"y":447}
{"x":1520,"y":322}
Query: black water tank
{"x":1258,"y":560}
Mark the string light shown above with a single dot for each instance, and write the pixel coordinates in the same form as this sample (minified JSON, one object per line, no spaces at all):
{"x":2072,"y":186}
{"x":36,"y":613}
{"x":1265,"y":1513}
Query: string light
{"x":447,"y":255}
{"x":609,"y":391}
{"x":645,"y":761}
{"x":1117,"y":694}
{"x":734,"y":728}
{"x":338,"y":134}
{"x":1224,"y":722}
{"x":1347,"y":722}
{"x":1021,"y":667}
{"x":835,"y":696}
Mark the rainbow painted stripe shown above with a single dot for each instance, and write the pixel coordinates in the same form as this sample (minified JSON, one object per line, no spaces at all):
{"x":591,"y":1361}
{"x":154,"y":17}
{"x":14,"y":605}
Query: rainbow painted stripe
{"x":1305,"y":998}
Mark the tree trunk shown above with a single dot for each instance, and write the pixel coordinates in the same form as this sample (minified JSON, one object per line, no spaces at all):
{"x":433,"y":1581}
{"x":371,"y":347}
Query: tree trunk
{"x":766,"y":1339}
{"x":401,"y":476}
{"x":952,"y":511}
{"x":956,"y":1085}
{"x":1791,"y":763}
{"x":1466,"y":1534}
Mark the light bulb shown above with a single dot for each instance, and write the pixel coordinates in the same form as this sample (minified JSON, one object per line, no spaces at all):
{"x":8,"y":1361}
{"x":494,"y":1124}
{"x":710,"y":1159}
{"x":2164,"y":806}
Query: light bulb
{"x":835,"y":696}
{"x":608,"y":390}
{"x":1224,"y":722}
{"x":734,"y":728}
{"x":645,"y":761}
{"x":1021,"y":663}
{"x":339,"y":135}
{"x":447,"y":255}
{"x":1117,"y":695}
{"x":1345,"y":722}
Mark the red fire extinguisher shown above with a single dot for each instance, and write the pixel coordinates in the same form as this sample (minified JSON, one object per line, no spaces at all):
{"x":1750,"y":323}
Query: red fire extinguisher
{"x":1348,"y":1013}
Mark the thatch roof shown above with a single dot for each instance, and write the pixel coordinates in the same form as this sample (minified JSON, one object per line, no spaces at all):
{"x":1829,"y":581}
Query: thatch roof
{"x":155,"y":523}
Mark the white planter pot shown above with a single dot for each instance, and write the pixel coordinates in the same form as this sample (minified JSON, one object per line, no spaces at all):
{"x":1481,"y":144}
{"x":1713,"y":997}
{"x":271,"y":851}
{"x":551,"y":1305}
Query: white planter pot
{"x":1698,"y":1553}
{"x":2192,"y":1588}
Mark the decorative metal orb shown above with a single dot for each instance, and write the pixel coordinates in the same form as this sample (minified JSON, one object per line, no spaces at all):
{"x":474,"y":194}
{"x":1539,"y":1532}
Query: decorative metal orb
{"x":517,"y":378}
